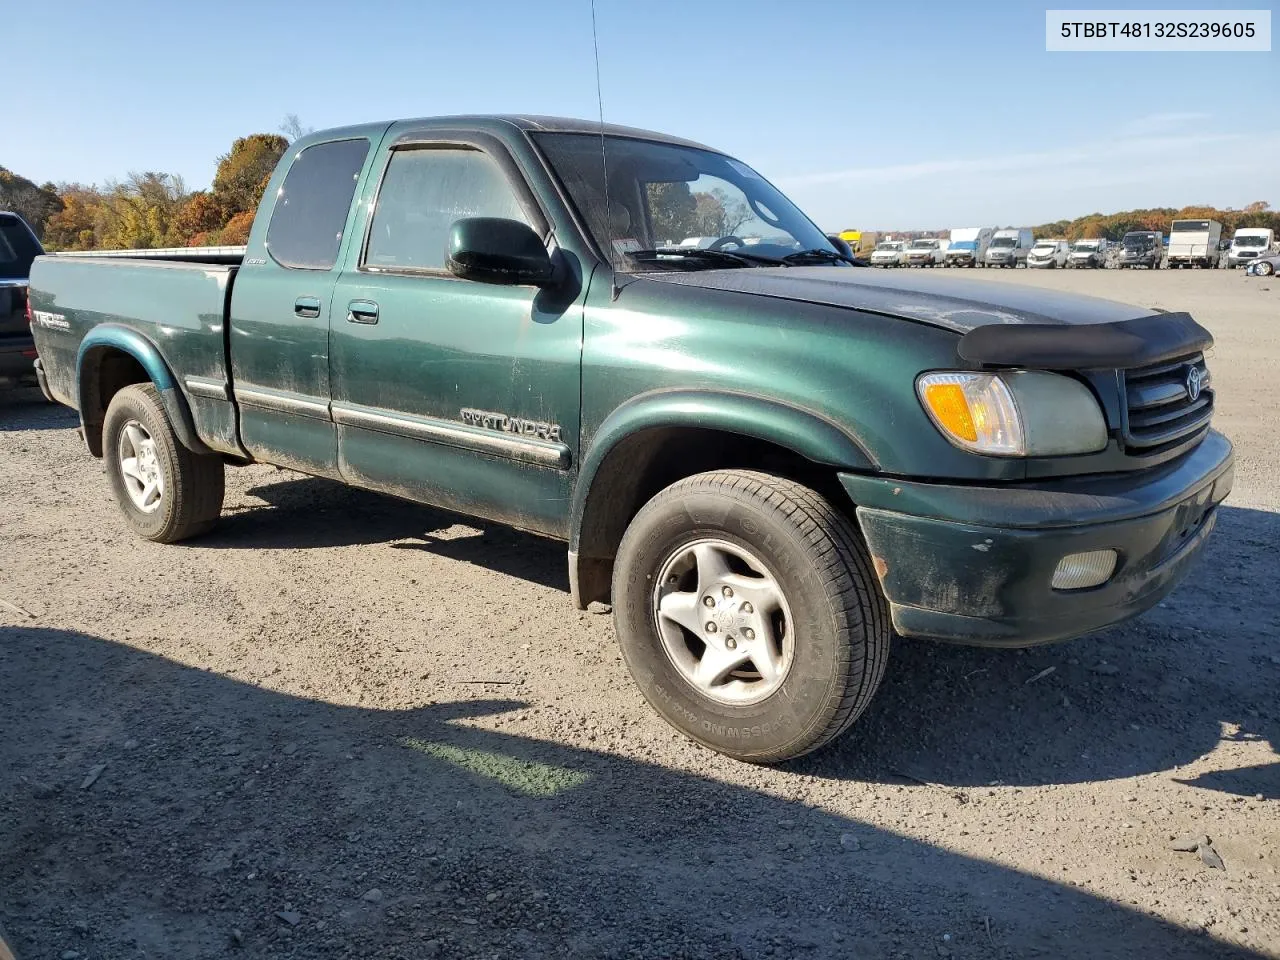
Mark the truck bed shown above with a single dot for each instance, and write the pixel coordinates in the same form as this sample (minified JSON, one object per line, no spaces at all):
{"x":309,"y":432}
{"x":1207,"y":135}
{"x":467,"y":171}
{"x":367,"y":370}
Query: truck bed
{"x":177,"y":299}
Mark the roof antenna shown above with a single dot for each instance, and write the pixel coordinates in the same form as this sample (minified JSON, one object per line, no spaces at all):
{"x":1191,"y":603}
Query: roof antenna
{"x":614,"y":290}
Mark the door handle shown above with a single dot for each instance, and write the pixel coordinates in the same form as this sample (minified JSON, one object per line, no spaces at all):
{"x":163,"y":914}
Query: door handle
{"x":362,"y":311}
{"x":308,"y":307}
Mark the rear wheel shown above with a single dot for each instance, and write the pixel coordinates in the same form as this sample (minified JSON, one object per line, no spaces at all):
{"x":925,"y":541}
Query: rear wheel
{"x":166,"y":492}
{"x":748,"y":614}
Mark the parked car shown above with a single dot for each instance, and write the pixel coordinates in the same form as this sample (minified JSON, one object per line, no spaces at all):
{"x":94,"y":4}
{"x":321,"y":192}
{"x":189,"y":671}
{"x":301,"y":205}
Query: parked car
{"x":1049,"y":254}
{"x":18,"y":248}
{"x":968,"y":247}
{"x":1194,"y":243}
{"x":1088,"y":254}
{"x":1248,"y":244}
{"x":1009,"y":247}
{"x":1141,"y":248}
{"x":766,"y":461}
{"x":926,"y":252}
{"x":1264,"y":266}
{"x":889,"y":253}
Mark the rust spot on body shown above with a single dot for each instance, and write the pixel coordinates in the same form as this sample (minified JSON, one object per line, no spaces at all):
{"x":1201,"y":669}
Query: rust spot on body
{"x":882,"y":568}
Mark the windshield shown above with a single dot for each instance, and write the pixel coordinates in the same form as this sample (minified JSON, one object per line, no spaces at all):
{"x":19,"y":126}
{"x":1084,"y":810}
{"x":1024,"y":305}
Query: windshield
{"x":924,"y":244}
{"x":17,"y":249}
{"x":1004,"y":242}
{"x":964,"y":245}
{"x":1046,"y":247}
{"x":891,"y":247}
{"x":1085,"y":246}
{"x":665,"y":196}
{"x":1193,"y":226}
{"x":1140,"y":241}
{"x":1251,"y":241}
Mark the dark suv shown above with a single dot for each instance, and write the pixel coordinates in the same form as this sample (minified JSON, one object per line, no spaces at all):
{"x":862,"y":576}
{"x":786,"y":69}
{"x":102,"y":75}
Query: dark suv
{"x":1141,"y":248}
{"x":18,"y":247}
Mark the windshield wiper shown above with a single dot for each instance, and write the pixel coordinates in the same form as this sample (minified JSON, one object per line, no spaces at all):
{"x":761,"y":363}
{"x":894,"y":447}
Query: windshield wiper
{"x":700,"y":253}
{"x":817,"y":253}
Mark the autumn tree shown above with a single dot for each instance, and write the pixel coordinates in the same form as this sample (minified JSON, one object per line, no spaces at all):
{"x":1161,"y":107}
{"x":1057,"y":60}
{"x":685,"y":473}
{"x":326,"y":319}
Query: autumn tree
{"x":243,"y":173}
{"x":72,"y":227}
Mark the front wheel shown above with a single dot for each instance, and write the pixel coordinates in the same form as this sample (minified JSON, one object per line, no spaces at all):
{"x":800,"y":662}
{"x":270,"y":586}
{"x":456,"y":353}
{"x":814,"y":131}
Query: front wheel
{"x":166,"y":492}
{"x":748,"y":614}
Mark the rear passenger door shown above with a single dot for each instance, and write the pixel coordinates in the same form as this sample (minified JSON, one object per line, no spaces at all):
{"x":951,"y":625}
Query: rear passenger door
{"x":280,"y":310}
{"x":449,"y":391}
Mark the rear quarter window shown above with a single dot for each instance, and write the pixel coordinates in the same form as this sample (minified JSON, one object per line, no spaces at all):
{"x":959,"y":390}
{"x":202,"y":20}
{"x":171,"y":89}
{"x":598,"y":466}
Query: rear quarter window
{"x":311,"y":208}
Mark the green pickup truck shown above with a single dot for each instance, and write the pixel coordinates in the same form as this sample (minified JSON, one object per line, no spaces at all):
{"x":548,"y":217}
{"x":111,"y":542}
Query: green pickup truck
{"x":766,"y":458}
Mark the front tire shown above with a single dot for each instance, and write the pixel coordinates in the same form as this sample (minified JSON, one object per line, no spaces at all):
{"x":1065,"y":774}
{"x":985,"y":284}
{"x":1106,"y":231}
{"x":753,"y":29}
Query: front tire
{"x":748,"y":614}
{"x":166,"y":492}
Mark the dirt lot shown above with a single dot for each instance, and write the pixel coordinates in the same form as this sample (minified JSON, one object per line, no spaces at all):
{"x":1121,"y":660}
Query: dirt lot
{"x":345,"y":726}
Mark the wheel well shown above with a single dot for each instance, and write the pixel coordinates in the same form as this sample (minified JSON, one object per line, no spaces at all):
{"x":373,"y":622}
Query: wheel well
{"x":648,"y":461}
{"x":104,"y":373}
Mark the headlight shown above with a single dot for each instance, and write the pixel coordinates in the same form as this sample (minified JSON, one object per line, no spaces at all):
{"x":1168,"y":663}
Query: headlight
{"x":1014,"y":414}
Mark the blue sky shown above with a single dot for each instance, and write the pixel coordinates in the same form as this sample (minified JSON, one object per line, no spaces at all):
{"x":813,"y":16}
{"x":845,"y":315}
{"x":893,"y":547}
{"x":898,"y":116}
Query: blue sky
{"x":869,"y":114}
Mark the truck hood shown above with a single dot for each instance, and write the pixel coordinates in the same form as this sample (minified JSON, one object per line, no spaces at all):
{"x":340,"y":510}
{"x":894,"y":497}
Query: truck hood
{"x":953,"y":303}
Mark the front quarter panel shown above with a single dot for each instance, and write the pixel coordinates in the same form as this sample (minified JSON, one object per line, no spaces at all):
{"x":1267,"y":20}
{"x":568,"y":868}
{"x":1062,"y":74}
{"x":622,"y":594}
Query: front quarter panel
{"x":845,"y":379}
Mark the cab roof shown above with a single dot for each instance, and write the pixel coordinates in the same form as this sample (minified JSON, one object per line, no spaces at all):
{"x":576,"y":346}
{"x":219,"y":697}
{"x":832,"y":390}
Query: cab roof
{"x":530,"y":123}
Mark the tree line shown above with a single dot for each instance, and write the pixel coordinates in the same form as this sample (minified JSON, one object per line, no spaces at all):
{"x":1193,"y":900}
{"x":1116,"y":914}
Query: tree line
{"x":1115,"y":225}
{"x":153,"y":209}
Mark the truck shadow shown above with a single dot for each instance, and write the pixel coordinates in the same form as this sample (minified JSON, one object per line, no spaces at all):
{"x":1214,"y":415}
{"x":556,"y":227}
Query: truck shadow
{"x":219,"y":814}
{"x":25,"y":408}
{"x":1153,"y":694}
{"x":309,"y":512}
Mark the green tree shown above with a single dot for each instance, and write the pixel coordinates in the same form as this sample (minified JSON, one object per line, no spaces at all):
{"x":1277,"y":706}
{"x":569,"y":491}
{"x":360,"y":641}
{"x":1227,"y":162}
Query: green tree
{"x":34,"y":204}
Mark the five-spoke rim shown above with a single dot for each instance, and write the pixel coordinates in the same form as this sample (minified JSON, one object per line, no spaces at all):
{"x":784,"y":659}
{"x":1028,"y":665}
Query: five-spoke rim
{"x":724,"y":621}
{"x":143,"y":479}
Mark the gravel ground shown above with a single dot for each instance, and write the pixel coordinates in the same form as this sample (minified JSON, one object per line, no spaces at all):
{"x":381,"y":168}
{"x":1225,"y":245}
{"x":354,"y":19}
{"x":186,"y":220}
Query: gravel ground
{"x":346,"y":726}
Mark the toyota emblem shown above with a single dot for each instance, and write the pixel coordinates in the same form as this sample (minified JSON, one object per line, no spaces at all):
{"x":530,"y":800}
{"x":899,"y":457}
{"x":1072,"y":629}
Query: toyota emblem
{"x":1193,"y":384}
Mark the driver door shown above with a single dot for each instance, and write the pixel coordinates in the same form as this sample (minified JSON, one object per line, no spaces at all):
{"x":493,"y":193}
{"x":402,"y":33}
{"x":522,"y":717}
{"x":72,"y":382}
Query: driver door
{"x":448,"y":391}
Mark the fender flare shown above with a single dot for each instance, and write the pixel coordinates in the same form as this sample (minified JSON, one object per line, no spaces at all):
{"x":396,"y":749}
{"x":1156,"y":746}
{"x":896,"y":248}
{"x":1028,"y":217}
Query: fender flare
{"x":809,"y":434}
{"x":118,"y":337}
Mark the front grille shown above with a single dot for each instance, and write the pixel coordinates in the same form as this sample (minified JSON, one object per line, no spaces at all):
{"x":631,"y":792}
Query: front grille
{"x":1159,"y":409}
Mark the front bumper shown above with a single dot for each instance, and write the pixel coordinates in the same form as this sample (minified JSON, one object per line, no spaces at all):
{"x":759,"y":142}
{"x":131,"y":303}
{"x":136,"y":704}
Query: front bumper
{"x":974,"y":564}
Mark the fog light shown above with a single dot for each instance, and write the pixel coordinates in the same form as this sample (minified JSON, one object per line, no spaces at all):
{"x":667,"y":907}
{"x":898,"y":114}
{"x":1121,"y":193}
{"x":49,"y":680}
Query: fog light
{"x":1079,"y":570}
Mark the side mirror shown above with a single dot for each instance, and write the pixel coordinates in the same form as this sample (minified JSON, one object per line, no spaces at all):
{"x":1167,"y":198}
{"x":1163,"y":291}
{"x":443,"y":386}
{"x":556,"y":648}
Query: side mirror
{"x":841,"y":245}
{"x":495,"y":250}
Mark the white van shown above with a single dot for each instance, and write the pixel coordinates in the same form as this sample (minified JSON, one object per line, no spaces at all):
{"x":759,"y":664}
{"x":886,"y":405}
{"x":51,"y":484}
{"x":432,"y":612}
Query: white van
{"x":1088,"y":254}
{"x":1008,"y":248}
{"x":1248,"y":244}
{"x":1049,"y":254}
{"x":927,"y":252}
{"x":889,"y":253}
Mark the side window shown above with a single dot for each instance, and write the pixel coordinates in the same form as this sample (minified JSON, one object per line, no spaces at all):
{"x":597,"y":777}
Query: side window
{"x":311,"y":209}
{"x":424,"y":191}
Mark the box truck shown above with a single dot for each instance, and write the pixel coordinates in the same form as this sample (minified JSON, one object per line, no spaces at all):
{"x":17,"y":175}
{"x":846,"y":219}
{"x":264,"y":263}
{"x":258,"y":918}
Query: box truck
{"x":968,"y":246}
{"x":1194,"y":243}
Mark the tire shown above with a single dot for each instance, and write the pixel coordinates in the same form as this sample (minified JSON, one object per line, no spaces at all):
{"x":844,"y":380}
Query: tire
{"x":830,"y":611}
{"x":188,"y":497}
